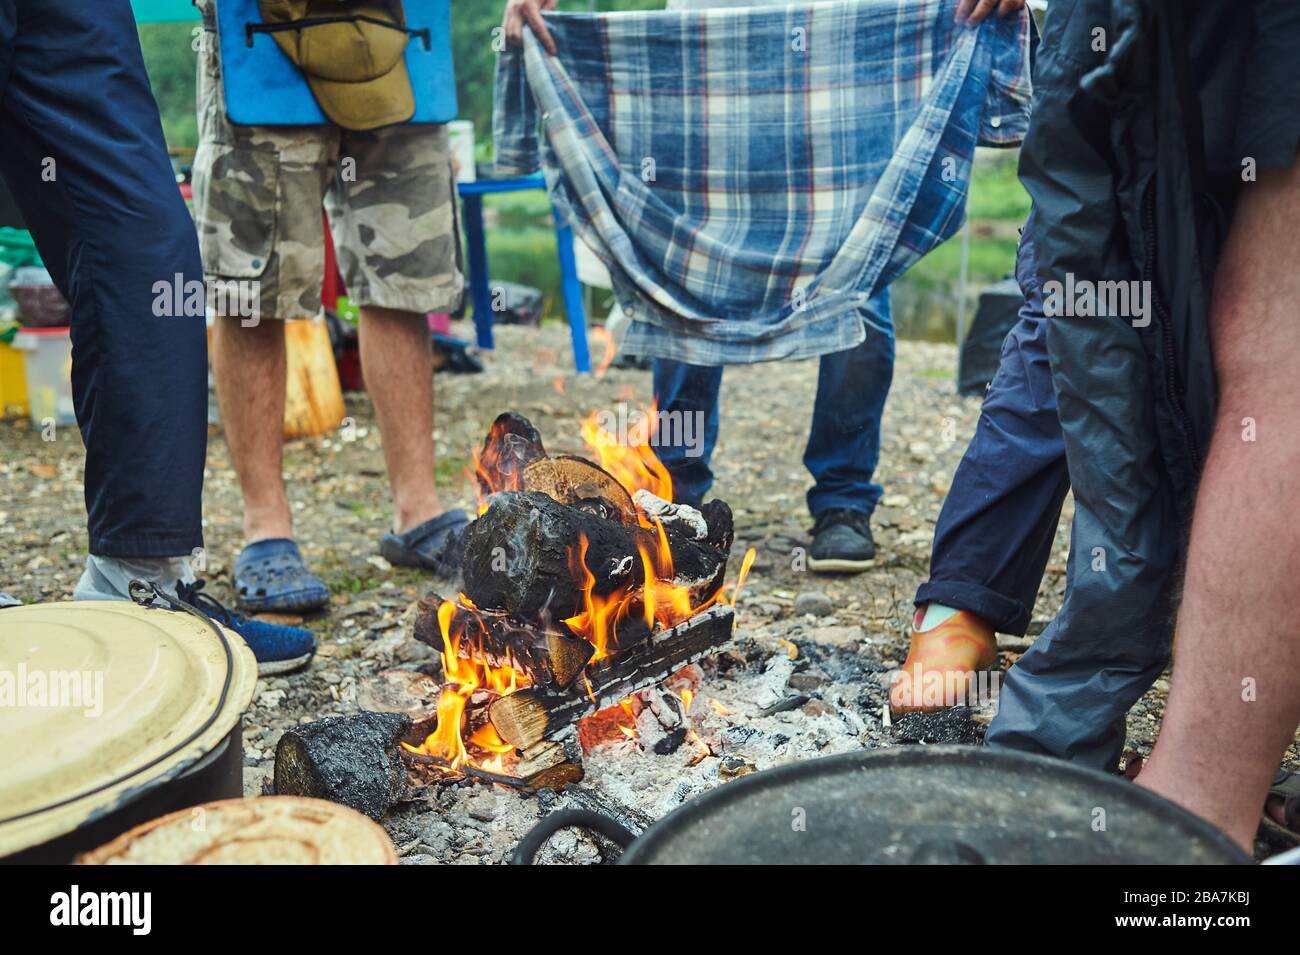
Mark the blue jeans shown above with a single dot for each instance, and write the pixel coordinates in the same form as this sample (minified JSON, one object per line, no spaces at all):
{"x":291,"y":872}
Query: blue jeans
{"x":844,"y":439}
{"x":110,"y":224}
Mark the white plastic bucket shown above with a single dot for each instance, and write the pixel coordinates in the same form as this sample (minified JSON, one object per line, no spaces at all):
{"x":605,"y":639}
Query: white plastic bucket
{"x":47,"y":362}
{"x":460,"y":142}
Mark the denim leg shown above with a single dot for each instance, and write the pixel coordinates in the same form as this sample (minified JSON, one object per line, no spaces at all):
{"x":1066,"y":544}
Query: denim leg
{"x":84,"y":156}
{"x":684,"y":391}
{"x":844,"y":440}
{"x":996,"y":528}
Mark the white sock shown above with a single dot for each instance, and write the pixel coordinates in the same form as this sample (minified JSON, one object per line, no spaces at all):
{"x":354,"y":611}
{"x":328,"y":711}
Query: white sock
{"x":107,"y":578}
{"x":935,"y":614}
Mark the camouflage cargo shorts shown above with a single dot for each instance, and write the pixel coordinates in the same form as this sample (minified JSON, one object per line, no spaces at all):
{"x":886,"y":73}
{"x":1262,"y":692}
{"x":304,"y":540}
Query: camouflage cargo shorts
{"x":389,"y":194}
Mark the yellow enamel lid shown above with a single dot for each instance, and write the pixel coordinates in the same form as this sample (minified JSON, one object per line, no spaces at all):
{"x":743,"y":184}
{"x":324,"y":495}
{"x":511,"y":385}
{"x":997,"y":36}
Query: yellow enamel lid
{"x":101,"y":700}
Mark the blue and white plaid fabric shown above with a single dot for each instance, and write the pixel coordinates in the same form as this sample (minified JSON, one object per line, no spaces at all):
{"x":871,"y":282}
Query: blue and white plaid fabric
{"x":750,"y":176}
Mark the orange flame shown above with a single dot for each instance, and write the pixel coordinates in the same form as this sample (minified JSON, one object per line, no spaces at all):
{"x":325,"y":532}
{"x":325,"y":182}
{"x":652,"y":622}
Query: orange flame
{"x":463,"y":675}
{"x":632,"y":462}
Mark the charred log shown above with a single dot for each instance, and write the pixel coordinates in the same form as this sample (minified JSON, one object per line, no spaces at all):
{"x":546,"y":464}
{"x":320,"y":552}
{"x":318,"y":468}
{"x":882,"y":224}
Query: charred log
{"x":553,"y":657}
{"x":520,"y":557}
{"x":509,"y":447}
{"x":527,"y":716}
{"x":582,"y":484}
{"x":352,"y":760}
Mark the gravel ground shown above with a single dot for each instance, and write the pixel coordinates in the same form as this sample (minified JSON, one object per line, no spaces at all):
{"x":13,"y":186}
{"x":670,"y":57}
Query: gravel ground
{"x":339,"y":496}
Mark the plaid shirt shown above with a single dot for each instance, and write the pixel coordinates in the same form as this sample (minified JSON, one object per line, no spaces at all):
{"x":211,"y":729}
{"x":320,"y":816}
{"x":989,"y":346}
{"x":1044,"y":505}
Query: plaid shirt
{"x":751,"y":176}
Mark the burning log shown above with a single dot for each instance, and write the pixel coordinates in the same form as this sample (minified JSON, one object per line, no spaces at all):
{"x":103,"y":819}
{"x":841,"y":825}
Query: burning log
{"x":510,"y":446}
{"x":576,"y":481}
{"x":351,"y":760}
{"x":554,"y":657}
{"x":527,"y":716}
{"x":518,"y":556}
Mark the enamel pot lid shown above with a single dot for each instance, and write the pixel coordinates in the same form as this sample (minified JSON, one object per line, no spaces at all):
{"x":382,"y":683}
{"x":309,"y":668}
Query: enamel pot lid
{"x":102,"y":701}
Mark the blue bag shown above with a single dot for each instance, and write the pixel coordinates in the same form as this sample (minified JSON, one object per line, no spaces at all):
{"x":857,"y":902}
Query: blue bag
{"x":263,"y":87}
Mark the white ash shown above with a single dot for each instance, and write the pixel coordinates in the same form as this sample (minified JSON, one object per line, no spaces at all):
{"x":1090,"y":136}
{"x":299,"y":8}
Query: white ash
{"x":450,"y":824}
{"x":682,"y":516}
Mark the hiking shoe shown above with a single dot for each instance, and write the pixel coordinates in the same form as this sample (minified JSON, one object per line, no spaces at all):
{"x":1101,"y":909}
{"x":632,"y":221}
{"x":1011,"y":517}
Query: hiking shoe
{"x":278,"y":648}
{"x":842,"y":542}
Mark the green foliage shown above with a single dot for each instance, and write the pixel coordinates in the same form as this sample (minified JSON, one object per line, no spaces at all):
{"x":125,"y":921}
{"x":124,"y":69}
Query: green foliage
{"x":169,"y":57}
{"x":472,"y":25}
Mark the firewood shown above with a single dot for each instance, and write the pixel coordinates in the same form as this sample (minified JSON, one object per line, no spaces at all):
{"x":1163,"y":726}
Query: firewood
{"x":553,"y":657}
{"x":550,"y":764}
{"x":527,"y":716}
{"x":579,"y":482}
{"x":519,"y":557}
{"x":509,"y":447}
{"x":352,"y":760}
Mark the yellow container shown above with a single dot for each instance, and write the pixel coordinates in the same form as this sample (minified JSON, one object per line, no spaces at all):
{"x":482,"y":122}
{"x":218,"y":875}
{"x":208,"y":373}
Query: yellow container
{"x":13,"y":383}
{"x":313,"y":401}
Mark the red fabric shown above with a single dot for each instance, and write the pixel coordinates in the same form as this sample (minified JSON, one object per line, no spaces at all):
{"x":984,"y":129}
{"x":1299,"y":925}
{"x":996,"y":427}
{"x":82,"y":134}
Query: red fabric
{"x":331,"y":286}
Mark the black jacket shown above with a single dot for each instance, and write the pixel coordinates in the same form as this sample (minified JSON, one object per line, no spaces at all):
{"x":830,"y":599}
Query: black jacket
{"x":1116,"y":163}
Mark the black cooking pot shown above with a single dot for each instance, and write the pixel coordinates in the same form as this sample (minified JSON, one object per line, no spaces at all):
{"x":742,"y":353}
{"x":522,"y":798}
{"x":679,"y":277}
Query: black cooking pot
{"x":916,"y":804}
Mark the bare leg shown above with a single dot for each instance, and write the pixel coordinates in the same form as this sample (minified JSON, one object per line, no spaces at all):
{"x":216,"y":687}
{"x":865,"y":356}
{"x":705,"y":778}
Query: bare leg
{"x":397,"y":360}
{"x":250,"y":370}
{"x":1234,"y":702}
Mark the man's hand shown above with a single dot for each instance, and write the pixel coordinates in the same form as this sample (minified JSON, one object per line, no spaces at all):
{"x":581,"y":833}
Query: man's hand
{"x":519,"y":12}
{"x":975,"y":11}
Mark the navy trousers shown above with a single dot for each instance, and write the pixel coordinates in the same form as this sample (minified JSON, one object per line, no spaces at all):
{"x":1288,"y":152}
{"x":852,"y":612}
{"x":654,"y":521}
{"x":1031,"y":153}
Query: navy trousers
{"x":843,"y":441}
{"x":1069,"y":694}
{"x":81,"y":149}
{"x":995,"y":531}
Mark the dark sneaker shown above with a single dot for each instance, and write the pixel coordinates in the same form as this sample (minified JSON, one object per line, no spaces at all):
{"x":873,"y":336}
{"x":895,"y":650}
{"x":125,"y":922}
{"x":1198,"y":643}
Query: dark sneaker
{"x":842,"y":542}
{"x":278,"y":648}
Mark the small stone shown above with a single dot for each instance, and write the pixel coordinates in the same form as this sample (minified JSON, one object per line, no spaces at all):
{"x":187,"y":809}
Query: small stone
{"x":844,"y":636}
{"x":813,"y":602}
{"x":270,"y":699}
{"x":379,"y":563}
{"x":811,"y":680}
{"x":733,"y":767}
{"x":815,"y":708}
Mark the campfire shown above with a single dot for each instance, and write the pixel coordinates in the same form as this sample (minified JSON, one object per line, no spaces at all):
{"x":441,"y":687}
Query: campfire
{"x":583,"y":586}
